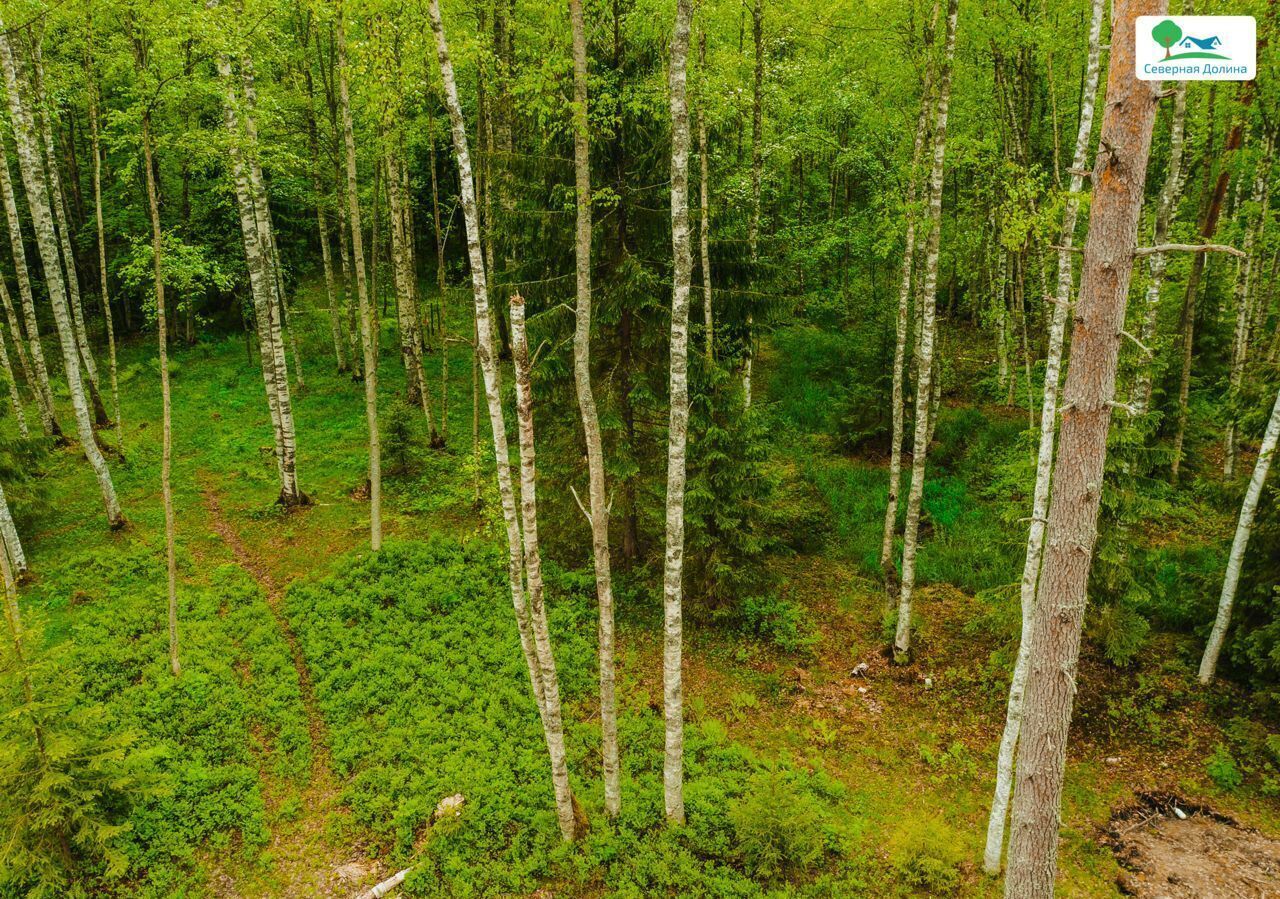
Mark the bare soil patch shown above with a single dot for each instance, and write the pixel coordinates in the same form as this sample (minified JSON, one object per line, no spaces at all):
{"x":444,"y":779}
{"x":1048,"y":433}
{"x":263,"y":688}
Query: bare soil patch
{"x":1173,"y":848}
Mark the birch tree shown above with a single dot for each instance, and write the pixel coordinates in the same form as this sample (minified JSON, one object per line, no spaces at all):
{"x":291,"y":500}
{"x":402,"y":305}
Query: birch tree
{"x":598,"y":514}
{"x":704,"y":220}
{"x":1118,"y":180}
{"x":9,"y":535}
{"x":757,"y":167}
{"x":1167,"y":206}
{"x":530,"y":616}
{"x":1044,"y":455}
{"x":40,"y":387}
{"x":1242,"y":296}
{"x":678,"y":430}
{"x":927,"y":301}
{"x":368,"y":339}
{"x":15,"y":400}
{"x":887,"y":564}
{"x":96,"y":149}
{"x":1244,"y":528}
{"x":46,"y":240}
{"x":166,"y":458}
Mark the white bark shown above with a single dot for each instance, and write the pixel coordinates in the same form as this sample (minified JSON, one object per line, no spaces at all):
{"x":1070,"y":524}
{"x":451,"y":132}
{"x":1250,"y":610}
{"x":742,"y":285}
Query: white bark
{"x":925,"y":370}
{"x":488,"y":361}
{"x":887,"y":564}
{"x":14,"y":399}
{"x":43,"y":392}
{"x":678,"y":433}
{"x":46,"y":239}
{"x":1044,"y":455}
{"x":1244,"y":309}
{"x":166,"y":458}
{"x":1168,"y":205}
{"x":598,"y":499}
{"x":367,"y":337}
{"x":102,"y":251}
{"x":9,"y":534}
{"x":1244,"y":527}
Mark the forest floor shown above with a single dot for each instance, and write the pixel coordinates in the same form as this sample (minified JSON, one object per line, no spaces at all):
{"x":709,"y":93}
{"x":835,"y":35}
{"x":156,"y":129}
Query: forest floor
{"x":911,"y":743}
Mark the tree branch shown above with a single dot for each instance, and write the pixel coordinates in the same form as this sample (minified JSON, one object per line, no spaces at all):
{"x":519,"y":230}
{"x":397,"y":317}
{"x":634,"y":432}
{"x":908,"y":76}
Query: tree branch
{"x":1189,"y":248}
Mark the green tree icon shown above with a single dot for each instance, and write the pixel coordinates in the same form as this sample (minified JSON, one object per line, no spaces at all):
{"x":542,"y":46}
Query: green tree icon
{"x":1166,"y":34}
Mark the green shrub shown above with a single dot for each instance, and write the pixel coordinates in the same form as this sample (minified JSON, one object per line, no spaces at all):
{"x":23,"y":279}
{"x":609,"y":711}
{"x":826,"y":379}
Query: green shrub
{"x":1222,"y":769}
{"x":778,"y":828}
{"x":927,"y":855}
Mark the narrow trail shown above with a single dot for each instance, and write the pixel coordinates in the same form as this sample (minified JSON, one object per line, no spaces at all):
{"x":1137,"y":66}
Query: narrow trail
{"x":305,"y":858}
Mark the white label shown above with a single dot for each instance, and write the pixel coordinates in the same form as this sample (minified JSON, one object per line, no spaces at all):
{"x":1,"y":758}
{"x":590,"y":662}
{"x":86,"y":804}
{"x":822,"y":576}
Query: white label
{"x":1196,"y":48}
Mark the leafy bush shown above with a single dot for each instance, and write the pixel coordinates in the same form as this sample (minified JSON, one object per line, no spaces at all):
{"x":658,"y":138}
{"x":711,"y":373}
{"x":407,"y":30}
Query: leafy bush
{"x":1223,"y":770}
{"x":927,"y":855}
{"x":778,"y":828}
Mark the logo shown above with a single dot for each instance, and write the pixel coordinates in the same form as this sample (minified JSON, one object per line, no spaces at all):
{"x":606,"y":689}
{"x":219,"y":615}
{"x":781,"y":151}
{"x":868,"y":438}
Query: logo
{"x":1196,"y":48}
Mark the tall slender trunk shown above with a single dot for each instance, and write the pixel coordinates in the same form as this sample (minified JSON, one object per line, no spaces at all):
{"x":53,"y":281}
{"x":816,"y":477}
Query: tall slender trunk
{"x":166,"y":490}
{"x":553,"y":723}
{"x":41,"y":388}
{"x":367,"y":336}
{"x":322,"y":226}
{"x":678,"y":434}
{"x":19,"y":339}
{"x":438,"y":236}
{"x":1118,"y":180}
{"x":1044,"y":455}
{"x":57,"y":199}
{"x":1208,"y":227}
{"x":927,"y":301}
{"x":102,"y":246}
{"x":266,"y":310}
{"x":704,"y":218}
{"x":887,"y":564}
{"x":406,"y":306}
{"x":1244,"y":527}
{"x":757,"y":167}
{"x":42,"y":219}
{"x":15,"y":399}
{"x":9,"y":536}
{"x":598,"y":499}
{"x":1165,"y":211}
{"x":1244,"y":310}
{"x":544,"y":692}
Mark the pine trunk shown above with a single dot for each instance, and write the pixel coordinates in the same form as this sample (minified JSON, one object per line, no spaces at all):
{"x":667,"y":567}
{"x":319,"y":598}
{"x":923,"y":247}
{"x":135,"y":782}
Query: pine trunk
{"x":1044,"y":455}
{"x":1118,"y":179}
{"x":926,"y":299}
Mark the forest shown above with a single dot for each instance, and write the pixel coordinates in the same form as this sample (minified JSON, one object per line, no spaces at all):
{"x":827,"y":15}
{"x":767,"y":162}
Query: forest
{"x":634,"y":448}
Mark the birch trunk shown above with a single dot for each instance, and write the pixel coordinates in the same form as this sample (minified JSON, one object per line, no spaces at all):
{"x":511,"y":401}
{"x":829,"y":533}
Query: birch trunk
{"x":598,"y":498}
{"x":19,"y":340}
{"x":1244,"y":527}
{"x":1165,"y":210}
{"x":367,"y":338}
{"x":544,"y":694}
{"x":266,"y":311}
{"x":15,"y":399}
{"x":46,"y":239}
{"x":553,"y":724}
{"x":678,"y":434}
{"x":9,"y":534}
{"x":1244,"y":310}
{"x":757,"y":166}
{"x":1044,"y":455}
{"x":57,"y":200}
{"x":322,"y":228}
{"x":1118,"y":179}
{"x":40,"y":387}
{"x":166,"y":490}
{"x":927,"y":300}
{"x":887,"y":564}
{"x":102,"y":251}
{"x":406,"y":306}
{"x":704,"y":219}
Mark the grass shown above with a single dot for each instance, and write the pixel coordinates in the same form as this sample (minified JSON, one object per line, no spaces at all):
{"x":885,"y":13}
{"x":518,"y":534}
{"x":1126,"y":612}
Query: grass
{"x":416,"y":687}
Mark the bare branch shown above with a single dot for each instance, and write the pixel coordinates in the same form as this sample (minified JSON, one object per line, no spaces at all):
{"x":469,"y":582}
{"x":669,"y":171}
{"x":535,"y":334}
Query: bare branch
{"x":1189,"y":248}
{"x":578,"y":500}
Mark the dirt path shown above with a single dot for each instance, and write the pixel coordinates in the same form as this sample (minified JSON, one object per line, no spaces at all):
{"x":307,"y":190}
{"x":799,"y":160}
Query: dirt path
{"x":305,"y":859}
